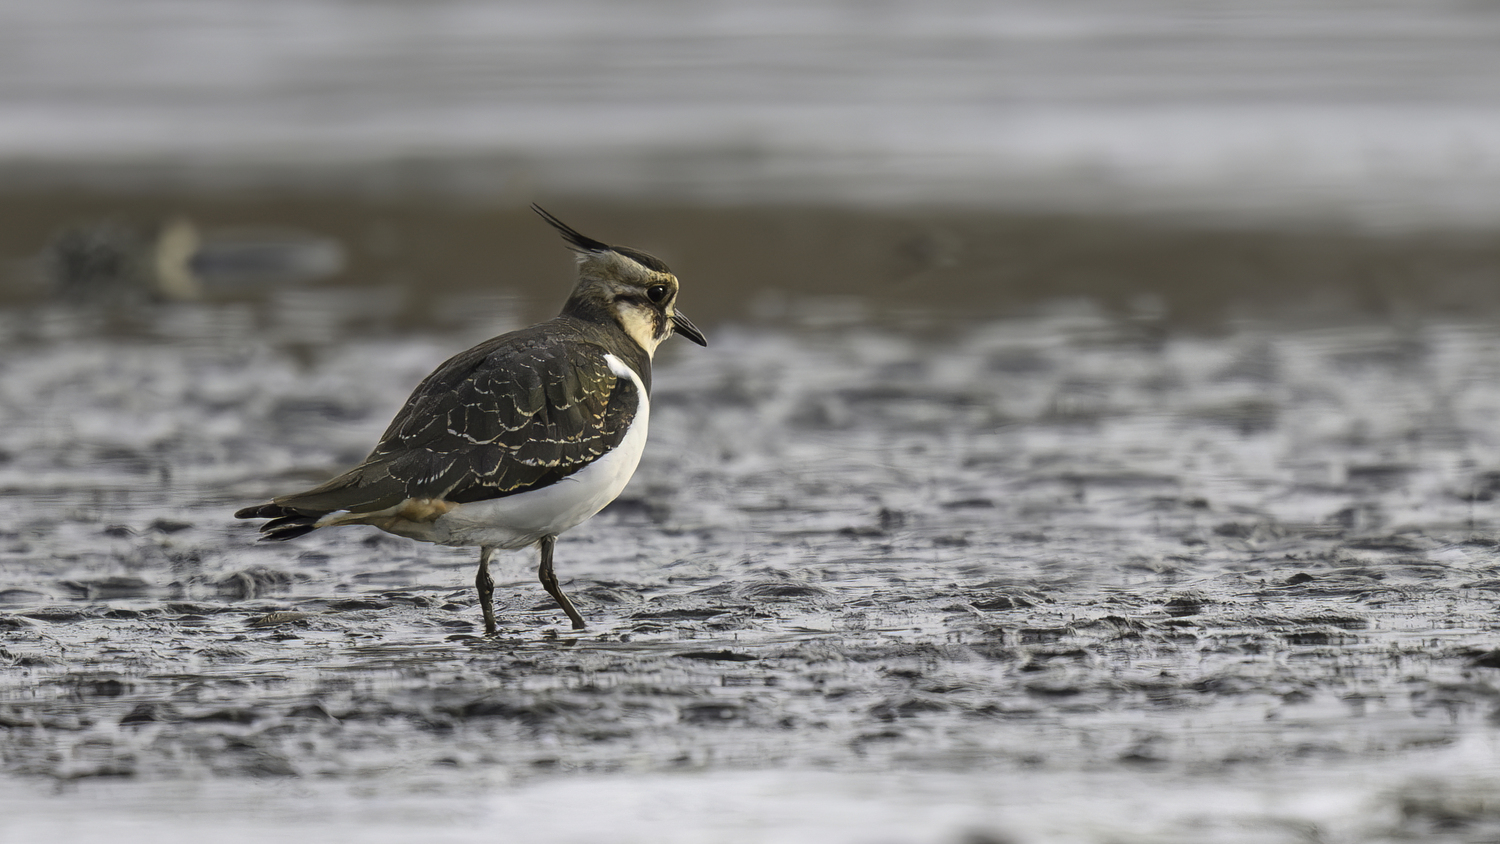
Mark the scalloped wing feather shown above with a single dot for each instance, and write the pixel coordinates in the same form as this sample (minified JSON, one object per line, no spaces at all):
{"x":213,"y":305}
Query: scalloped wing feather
{"x":517,"y":413}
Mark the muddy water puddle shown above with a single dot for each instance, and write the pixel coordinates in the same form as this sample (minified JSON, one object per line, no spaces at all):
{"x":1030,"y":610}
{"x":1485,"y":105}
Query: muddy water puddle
{"x":1061,"y":577}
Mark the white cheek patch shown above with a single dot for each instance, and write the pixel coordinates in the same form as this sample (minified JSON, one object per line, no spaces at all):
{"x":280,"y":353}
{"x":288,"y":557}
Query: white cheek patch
{"x":640,"y":324}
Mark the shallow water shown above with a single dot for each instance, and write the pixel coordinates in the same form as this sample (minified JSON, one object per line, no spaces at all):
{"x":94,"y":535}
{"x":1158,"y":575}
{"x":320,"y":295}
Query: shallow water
{"x":1376,"y":112}
{"x":1056,"y":571}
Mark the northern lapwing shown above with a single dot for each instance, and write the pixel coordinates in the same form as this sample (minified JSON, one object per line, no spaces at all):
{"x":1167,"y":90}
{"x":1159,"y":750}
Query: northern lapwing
{"x":520,"y":438}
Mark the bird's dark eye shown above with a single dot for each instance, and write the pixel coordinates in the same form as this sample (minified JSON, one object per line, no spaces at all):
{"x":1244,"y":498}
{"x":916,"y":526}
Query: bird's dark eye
{"x":657,"y":293}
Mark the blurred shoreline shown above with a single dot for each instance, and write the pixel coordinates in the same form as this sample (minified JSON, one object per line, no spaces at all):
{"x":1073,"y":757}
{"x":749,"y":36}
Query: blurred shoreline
{"x":746,"y":263}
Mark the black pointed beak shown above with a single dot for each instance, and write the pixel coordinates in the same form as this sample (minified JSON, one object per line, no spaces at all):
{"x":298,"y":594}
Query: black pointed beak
{"x":684,"y":326}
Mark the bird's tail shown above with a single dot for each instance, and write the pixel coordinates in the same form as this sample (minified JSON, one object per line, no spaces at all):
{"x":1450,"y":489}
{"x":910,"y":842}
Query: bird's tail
{"x":346,"y":499}
{"x":285,"y":523}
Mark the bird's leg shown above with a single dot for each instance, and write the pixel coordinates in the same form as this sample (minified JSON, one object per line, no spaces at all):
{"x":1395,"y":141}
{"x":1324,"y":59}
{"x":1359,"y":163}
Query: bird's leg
{"x":486,"y":587}
{"x":549,"y":582}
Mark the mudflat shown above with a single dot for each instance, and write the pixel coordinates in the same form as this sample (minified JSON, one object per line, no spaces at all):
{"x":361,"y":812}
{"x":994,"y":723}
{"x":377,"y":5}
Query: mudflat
{"x":966,"y":527}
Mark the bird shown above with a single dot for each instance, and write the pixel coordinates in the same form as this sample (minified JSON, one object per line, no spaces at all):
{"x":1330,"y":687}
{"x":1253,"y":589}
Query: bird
{"x":524,"y":436}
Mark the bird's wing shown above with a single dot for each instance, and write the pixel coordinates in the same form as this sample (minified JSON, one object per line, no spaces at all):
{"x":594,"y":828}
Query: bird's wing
{"x":507,"y":416}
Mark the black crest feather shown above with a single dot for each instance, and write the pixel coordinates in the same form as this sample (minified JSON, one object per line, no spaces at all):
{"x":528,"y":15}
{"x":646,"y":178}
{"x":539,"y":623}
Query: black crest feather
{"x":584,"y":243}
{"x":570,"y":234}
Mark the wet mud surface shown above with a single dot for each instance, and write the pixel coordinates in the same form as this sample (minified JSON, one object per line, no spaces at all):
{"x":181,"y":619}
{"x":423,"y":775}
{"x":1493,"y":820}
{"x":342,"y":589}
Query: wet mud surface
{"x":1066,"y":576}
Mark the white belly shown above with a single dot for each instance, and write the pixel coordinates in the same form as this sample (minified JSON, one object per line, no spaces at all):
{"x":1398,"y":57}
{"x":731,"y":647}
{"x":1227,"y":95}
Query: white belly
{"x":516,"y":521}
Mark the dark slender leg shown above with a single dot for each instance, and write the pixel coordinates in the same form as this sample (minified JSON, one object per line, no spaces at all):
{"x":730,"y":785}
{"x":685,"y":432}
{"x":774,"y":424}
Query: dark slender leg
{"x":486,"y":588}
{"x":549,"y":582}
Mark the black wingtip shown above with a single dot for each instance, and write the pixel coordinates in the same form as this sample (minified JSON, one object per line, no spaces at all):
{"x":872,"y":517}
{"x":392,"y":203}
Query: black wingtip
{"x":260,"y":511}
{"x":571,"y":235}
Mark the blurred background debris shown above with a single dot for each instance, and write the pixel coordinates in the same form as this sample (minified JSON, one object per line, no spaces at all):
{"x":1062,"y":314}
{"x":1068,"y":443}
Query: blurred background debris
{"x":113,"y":262}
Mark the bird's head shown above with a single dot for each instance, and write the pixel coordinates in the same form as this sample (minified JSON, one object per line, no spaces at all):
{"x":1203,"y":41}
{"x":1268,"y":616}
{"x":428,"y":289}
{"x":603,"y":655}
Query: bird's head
{"x":627,"y":285}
